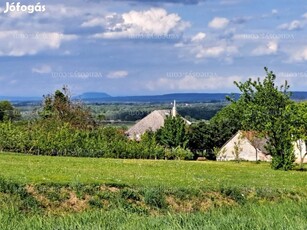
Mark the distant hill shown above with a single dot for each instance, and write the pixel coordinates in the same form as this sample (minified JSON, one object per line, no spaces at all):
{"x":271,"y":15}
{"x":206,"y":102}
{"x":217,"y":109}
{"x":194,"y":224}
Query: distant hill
{"x":92,"y":95}
{"x":18,"y":99}
{"x":297,"y":95}
{"x":96,"y":97}
{"x":179,"y":97}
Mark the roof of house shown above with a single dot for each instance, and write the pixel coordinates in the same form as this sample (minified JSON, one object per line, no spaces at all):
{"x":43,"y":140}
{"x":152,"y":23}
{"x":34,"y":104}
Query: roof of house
{"x":152,"y":122}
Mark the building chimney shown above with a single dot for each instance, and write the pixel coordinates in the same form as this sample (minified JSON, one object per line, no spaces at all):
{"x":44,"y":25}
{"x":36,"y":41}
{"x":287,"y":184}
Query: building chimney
{"x":174,"y":110}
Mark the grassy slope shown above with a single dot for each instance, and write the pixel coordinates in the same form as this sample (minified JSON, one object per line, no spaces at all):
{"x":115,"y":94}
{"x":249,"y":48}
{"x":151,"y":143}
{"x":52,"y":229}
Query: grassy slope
{"x":41,"y":169}
{"x":287,"y":213}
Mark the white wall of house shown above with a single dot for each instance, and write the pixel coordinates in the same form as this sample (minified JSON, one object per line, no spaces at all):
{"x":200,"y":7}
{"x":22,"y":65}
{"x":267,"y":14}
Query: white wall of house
{"x":299,"y":151}
{"x":248,"y":152}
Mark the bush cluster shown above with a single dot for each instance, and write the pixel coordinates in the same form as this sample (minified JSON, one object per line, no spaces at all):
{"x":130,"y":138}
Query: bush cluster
{"x":57,"y":138}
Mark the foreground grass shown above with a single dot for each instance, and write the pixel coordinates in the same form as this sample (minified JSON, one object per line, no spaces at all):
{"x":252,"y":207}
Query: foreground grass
{"x":288,"y":216}
{"x":171,"y":174}
{"x":41,"y":192}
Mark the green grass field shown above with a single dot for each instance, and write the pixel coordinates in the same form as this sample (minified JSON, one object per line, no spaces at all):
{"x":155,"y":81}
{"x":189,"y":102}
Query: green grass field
{"x":41,"y":169}
{"x":41,"y":192}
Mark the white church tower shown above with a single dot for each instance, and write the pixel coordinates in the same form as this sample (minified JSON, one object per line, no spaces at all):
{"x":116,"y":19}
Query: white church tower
{"x":174,"y":110}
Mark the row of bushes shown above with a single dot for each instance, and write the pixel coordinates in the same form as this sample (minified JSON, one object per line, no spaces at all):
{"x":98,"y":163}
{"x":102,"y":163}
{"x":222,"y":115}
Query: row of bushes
{"x":51,"y":137}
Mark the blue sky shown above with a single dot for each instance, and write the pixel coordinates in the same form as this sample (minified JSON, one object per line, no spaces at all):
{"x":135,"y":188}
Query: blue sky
{"x":151,"y":47}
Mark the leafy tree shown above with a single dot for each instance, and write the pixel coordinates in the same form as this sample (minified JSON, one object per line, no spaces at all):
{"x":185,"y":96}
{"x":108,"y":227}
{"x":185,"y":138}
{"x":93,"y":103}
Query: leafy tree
{"x":150,"y":148}
{"x":206,"y":136}
{"x":173,"y":133}
{"x":60,"y":106}
{"x":182,"y":154}
{"x":7,"y":111}
{"x":263,"y":107}
{"x":199,"y":137}
{"x":225,"y":124}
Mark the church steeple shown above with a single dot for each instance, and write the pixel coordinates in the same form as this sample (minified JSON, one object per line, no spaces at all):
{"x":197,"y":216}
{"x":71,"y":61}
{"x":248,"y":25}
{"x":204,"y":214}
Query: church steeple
{"x":174,"y":110}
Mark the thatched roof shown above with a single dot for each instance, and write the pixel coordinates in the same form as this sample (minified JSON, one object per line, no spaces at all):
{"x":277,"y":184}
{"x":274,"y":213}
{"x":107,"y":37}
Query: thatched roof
{"x":152,"y":122}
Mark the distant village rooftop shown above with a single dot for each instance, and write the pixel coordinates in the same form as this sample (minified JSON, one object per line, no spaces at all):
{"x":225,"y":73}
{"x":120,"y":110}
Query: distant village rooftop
{"x":152,"y":122}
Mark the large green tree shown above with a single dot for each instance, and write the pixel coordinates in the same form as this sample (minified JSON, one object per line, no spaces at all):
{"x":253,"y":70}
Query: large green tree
{"x":173,"y":133}
{"x":208,"y":136}
{"x":61,"y":107}
{"x":264,"y":110}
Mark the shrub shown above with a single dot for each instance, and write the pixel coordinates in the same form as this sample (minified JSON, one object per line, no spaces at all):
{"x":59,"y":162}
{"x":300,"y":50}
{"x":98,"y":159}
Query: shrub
{"x":154,"y":197}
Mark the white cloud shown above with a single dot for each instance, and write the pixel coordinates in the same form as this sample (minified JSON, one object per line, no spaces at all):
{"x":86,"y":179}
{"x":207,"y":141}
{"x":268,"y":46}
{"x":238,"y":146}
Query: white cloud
{"x":294,"y":25}
{"x":155,"y":22}
{"x":218,"y":23}
{"x":212,"y":48}
{"x":117,"y":74}
{"x":304,"y":16}
{"x":198,"y":37}
{"x":193,"y":83}
{"x":93,"y":22}
{"x":42,"y":69}
{"x":111,"y":22}
{"x":215,"y":51}
{"x":299,"y":55}
{"x":274,"y":11}
{"x":267,"y":49}
{"x":20,"y":43}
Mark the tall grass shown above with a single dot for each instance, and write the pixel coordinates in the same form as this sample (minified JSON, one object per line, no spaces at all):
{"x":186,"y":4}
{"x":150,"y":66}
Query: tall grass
{"x":288,"y":216}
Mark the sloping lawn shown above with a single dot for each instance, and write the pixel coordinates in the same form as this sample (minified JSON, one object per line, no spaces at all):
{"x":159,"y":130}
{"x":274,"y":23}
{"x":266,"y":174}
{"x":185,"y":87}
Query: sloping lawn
{"x":43,"y":169}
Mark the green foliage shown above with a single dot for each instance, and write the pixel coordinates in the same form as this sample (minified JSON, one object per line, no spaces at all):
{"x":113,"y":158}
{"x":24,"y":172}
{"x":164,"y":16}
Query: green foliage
{"x":26,"y":201}
{"x":8,"y":112}
{"x":178,"y":153}
{"x":130,"y":194}
{"x":199,"y":137}
{"x":173,"y":133}
{"x":59,"y":106}
{"x":136,"y":111}
{"x":263,"y":106}
{"x":57,"y":138}
{"x":155,"y":197}
{"x":234,"y":193}
{"x":182,"y":154}
{"x":207,"y":136}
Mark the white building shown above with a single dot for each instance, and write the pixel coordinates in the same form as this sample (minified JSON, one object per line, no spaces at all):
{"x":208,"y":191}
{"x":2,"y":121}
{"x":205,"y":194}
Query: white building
{"x":251,"y":148}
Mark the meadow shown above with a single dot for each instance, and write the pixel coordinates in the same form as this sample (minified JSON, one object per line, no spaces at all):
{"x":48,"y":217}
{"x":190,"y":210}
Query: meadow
{"x":44,"y":192}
